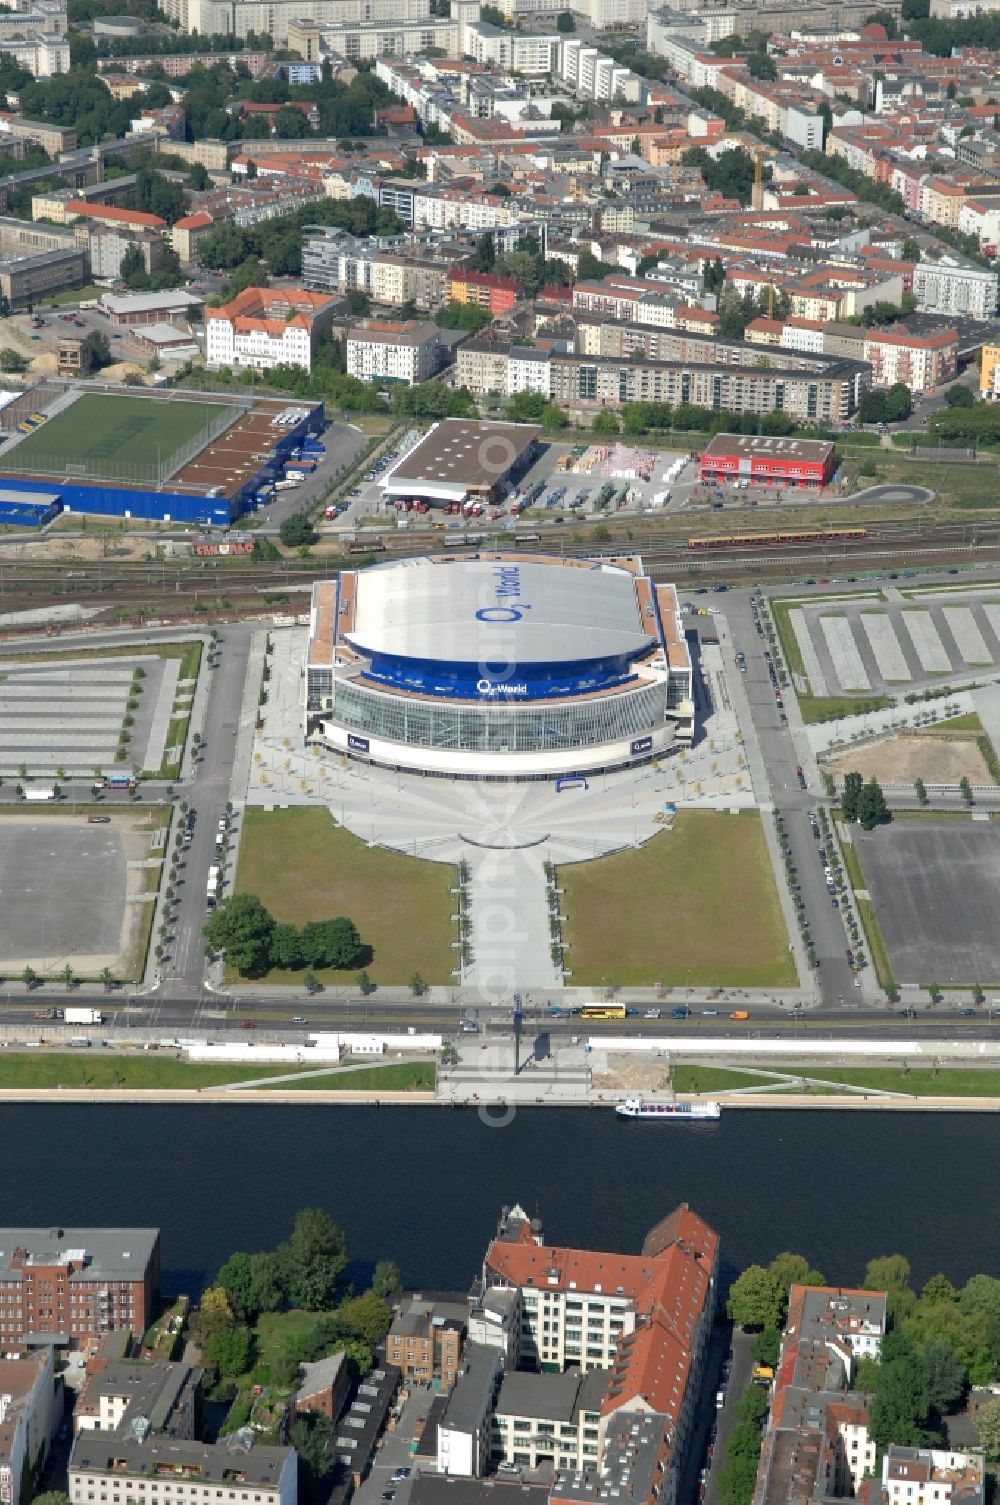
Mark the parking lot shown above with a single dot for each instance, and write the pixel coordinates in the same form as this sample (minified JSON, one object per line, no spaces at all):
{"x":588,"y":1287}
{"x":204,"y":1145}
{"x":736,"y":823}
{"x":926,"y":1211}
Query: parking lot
{"x":70,"y":715}
{"x":65,"y":888}
{"x":871,"y":645}
{"x":935,"y":885}
{"x":394,"y":1453}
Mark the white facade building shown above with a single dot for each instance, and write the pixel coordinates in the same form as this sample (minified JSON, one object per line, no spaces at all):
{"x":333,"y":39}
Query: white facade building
{"x":265,"y":327}
{"x":952,"y":285}
{"x":407,"y":352}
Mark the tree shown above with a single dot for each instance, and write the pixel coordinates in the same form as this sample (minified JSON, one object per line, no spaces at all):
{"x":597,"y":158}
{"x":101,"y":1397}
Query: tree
{"x":360,"y":303}
{"x":565,"y":22}
{"x":296,"y":530}
{"x":286,"y":948}
{"x":920,"y":790}
{"x":311,"y":1437}
{"x":851,"y":795}
{"x":29,"y":977}
{"x":898,"y":403}
{"x":99,"y":347}
{"x":368,"y":1317}
{"x":417,"y":985}
{"x":331,"y":943}
{"x":313,"y":1260}
{"x":957,"y":396}
{"x":794,"y":1269}
{"x":51,"y":1497}
{"x":756,"y":1299}
{"x":872,"y":808}
{"x":198,"y":178}
{"x":10,"y":360}
{"x":767,"y":1346}
{"x":605,"y":423}
{"x":231,"y":1348}
{"x":214,"y":1312}
{"x":386,"y":1280}
{"x":283,"y":1368}
{"x":252,"y":1284}
{"x":898,"y":1405}
{"x":242,"y":928}
{"x":944,"y":1375}
{"x":891,"y":1273}
{"x":987,"y":1424}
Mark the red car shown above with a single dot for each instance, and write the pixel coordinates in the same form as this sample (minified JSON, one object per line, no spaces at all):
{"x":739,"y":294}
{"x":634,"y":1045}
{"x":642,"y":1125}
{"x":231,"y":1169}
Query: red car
{"x":247,"y":1024}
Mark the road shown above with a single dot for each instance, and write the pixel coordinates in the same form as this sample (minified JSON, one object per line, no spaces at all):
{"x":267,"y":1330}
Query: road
{"x":343,"y":443}
{"x":741,"y":1368}
{"x":777,"y":747}
{"x":207,"y":794}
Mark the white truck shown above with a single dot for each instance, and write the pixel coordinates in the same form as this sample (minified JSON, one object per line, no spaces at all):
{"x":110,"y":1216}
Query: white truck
{"x":83,"y":1016}
{"x":39,"y":791}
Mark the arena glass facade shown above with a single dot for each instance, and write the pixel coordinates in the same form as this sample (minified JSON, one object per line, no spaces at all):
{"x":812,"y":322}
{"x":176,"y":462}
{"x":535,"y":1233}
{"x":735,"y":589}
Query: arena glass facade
{"x":401,"y":668}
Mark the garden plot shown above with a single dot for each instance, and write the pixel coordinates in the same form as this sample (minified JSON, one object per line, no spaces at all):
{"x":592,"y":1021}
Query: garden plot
{"x":847,"y":663}
{"x":885,"y":645}
{"x":969,"y":639}
{"x":929,"y":648}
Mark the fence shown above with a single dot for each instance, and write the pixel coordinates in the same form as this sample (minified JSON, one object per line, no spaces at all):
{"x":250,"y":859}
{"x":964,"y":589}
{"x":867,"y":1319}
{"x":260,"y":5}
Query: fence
{"x":133,"y":472}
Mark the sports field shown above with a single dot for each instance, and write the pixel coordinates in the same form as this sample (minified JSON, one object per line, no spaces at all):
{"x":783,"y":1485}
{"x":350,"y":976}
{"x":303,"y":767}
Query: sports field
{"x":111,"y":438}
{"x":696,"y":906}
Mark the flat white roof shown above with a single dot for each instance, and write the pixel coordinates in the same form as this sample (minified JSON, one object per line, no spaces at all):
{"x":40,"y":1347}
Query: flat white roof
{"x":454,"y":611}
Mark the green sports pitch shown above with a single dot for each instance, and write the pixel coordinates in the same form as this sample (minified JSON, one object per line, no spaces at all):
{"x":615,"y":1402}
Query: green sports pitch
{"x":111,"y":438}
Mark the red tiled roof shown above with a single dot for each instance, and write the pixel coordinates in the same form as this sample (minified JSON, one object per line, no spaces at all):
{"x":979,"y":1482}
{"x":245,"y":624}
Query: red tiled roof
{"x":119,"y":216}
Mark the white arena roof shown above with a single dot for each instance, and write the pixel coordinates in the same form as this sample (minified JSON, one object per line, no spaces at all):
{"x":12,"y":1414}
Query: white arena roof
{"x":463,"y":611}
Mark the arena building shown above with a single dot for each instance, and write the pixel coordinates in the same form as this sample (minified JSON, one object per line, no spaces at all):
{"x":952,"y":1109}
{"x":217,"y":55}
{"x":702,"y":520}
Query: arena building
{"x":462,"y":459}
{"x":498,"y":666}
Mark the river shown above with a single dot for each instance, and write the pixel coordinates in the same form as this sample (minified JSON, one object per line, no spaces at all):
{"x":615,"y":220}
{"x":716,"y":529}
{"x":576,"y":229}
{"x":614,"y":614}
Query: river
{"x":424,"y":1186}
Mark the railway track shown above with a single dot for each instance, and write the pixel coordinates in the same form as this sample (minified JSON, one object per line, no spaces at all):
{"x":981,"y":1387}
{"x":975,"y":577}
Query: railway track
{"x":137,"y":589}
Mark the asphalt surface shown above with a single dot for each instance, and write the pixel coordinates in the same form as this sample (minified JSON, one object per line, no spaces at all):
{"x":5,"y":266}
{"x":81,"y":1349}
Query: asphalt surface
{"x":208,"y":794}
{"x":777,"y":748}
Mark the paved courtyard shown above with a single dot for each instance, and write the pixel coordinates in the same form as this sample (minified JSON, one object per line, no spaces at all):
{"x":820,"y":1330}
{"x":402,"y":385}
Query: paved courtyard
{"x":69,"y":714}
{"x":67,"y":889}
{"x":935,"y":886}
{"x":869,"y":645}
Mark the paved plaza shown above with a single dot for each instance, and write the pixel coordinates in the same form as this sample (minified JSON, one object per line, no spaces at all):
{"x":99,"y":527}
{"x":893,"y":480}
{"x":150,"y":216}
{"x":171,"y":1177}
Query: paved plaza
{"x":69,"y":714}
{"x":867,"y":645}
{"x":935,"y":886}
{"x":506,"y":832}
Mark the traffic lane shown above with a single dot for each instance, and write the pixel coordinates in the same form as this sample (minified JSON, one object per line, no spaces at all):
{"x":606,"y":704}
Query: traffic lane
{"x":741,"y":1365}
{"x":827,"y":928}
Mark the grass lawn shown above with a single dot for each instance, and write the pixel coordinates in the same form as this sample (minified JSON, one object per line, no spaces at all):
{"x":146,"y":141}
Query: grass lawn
{"x":277,"y":1331}
{"x":696,"y":905}
{"x":70,"y":295}
{"x":105,"y":433}
{"x":967,"y":723}
{"x":98,"y":1068}
{"x":303,"y":867}
{"x":402,"y":1076}
{"x":950,"y":1081}
{"x":713,"y":1079}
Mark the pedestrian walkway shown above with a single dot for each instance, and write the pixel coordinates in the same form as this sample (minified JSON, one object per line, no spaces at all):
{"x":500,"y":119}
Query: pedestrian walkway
{"x":511,"y":942}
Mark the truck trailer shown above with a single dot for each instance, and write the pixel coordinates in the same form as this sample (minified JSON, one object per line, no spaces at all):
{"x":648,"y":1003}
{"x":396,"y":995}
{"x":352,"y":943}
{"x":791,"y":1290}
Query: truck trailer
{"x":83,"y":1016}
{"x":39,"y":792}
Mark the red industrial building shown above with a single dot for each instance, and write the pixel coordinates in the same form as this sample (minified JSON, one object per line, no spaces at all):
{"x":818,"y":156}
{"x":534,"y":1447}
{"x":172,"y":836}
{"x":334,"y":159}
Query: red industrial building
{"x":763,"y":461}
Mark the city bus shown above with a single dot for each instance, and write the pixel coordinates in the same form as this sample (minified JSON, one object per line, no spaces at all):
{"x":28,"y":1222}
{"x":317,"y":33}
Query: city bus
{"x":603,"y":1011}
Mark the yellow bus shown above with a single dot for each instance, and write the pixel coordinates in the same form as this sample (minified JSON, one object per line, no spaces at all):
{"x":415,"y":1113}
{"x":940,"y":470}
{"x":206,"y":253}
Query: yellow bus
{"x":603,"y":1011}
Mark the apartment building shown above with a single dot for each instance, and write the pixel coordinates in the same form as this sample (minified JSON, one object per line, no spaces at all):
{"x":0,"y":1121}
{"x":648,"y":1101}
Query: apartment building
{"x":44,"y":56}
{"x":54,"y":138}
{"x":950,"y":284}
{"x":816,"y":1443}
{"x":615,"y":1345}
{"x":118,"y":1468}
{"x":380,"y":350}
{"x":264,"y":327}
{"x":123,"y":1391}
{"x":932,"y":1476}
{"x":921,"y":362}
{"x":67,"y":1286}
{"x":28,"y":1420}
{"x":426,"y":1339}
{"x":485,"y":289}
{"x":550,"y":1419}
{"x":334,"y":263}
